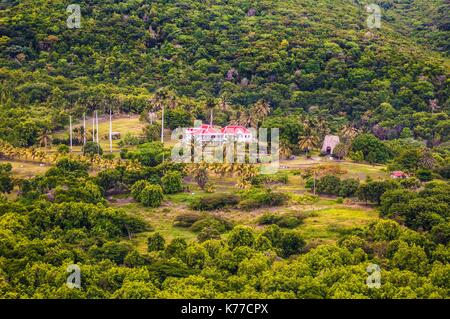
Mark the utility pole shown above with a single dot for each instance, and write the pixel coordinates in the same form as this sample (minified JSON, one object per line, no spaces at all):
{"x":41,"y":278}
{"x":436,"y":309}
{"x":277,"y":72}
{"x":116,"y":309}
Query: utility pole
{"x":93,"y":127}
{"x":314,"y":182}
{"x":162,"y":125}
{"x":70,"y":131}
{"x":84,"y":128}
{"x":96,"y":121}
{"x":110,"y":131}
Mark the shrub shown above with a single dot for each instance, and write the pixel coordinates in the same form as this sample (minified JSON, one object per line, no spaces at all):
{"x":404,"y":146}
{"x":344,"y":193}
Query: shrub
{"x":186,"y":220}
{"x":91,"y":148}
{"x":424,"y":175}
{"x":172,"y":182}
{"x":348,"y":187}
{"x":155,"y":242}
{"x":218,"y":223}
{"x":268,"y":219}
{"x":151,"y":196}
{"x":286,"y":221}
{"x":208,"y":233}
{"x":63,"y":149}
{"x":241,"y":236}
{"x":290,"y":221}
{"x":304,"y":199}
{"x":269,"y":179}
{"x":137,"y":188}
{"x":215,"y":201}
{"x":291,"y":243}
{"x":328,"y":185}
{"x":256,"y":198}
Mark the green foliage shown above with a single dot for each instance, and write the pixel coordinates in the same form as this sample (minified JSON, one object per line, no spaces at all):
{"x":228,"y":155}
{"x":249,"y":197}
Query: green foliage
{"x":151,"y":196}
{"x":155,"y":242}
{"x":284,"y":221}
{"x":256,"y":198}
{"x":372,"y":191}
{"x":215,"y":201}
{"x":373,"y":150}
{"x":6,"y":182}
{"x":241,"y":236}
{"x":91,"y":149}
{"x":172,"y":182}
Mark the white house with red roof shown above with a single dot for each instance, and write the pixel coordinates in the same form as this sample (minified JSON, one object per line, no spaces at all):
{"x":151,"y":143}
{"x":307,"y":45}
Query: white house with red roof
{"x":207,"y":133}
{"x":203,"y":133}
{"x":236,"y":133}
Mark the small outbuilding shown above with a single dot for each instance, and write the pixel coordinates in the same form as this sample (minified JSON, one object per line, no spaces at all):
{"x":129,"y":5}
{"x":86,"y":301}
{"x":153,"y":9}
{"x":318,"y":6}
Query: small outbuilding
{"x":329,"y":143}
{"x":399,"y":175}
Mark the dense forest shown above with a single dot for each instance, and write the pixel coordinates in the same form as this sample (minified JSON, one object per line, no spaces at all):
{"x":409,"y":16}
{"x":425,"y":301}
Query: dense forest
{"x":309,"y":67}
{"x":299,"y":56}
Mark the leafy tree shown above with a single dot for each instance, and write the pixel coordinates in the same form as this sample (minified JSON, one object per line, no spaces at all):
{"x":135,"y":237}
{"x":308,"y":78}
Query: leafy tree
{"x":291,"y":243}
{"x":172,"y":182}
{"x":241,"y":236}
{"x":373,"y":149}
{"x":6,"y":182}
{"x":151,"y":196}
{"x":155,"y":242}
{"x":91,"y":149}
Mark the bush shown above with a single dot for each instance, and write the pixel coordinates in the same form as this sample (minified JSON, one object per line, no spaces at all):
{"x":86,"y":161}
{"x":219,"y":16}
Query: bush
{"x":186,"y":220}
{"x":219,"y":224}
{"x":286,"y":221}
{"x":348,"y":187}
{"x":91,"y":148}
{"x":424,"y":175}
{"x":172,"y":182}
{"x":155,"y":242}
{"x":63,"y":149}
{"x":215,"y":201}
{"x":151,"y":196}
{"x":269,"y":179}
{"x":137,"y":188}
{"x":291,"y":243}
{"x":207,"y":234}
{"x":257,"y":198}
{"x":328,"y":185}
{"x":241,"y":236}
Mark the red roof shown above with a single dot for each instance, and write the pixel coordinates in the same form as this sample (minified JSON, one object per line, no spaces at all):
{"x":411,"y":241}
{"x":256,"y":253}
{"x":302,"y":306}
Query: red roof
{"x":203,"y":130}
{"x":398,"y":174}
{"x":235,"y":129}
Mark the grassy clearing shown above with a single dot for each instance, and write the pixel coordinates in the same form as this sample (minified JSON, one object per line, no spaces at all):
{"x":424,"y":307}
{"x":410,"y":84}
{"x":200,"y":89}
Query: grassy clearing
{"x":327,"y":225}
{"x":160,"y":219}
{"x":123,"y":125}
{"x":22,"y":169}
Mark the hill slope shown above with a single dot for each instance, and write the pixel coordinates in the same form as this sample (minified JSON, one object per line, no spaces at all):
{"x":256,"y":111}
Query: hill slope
{"x":295,"y":54}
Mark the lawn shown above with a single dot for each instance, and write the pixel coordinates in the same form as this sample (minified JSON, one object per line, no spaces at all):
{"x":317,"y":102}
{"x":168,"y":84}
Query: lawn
{"x":160,"y":219}
{"x":123,"y":125}
{"x":327,"y":225}
{"x":25,"y":169}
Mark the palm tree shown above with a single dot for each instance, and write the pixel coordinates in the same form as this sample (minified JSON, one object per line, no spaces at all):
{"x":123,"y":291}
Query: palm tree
{"x":285,"y":149}
{"x":246,"y":118}
{"x":427,"y":160}
{"x":349,"y":132}
{"x":44,"y":138}
{"x":211,"y":105}
{"x":261,"y":110}
{"x":340,"y":150}
{"x":308,"y":141}
{"x":162,"y":99}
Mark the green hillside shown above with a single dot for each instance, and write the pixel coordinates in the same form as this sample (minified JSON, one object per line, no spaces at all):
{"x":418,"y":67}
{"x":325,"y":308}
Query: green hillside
{"x":293,"y":54}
